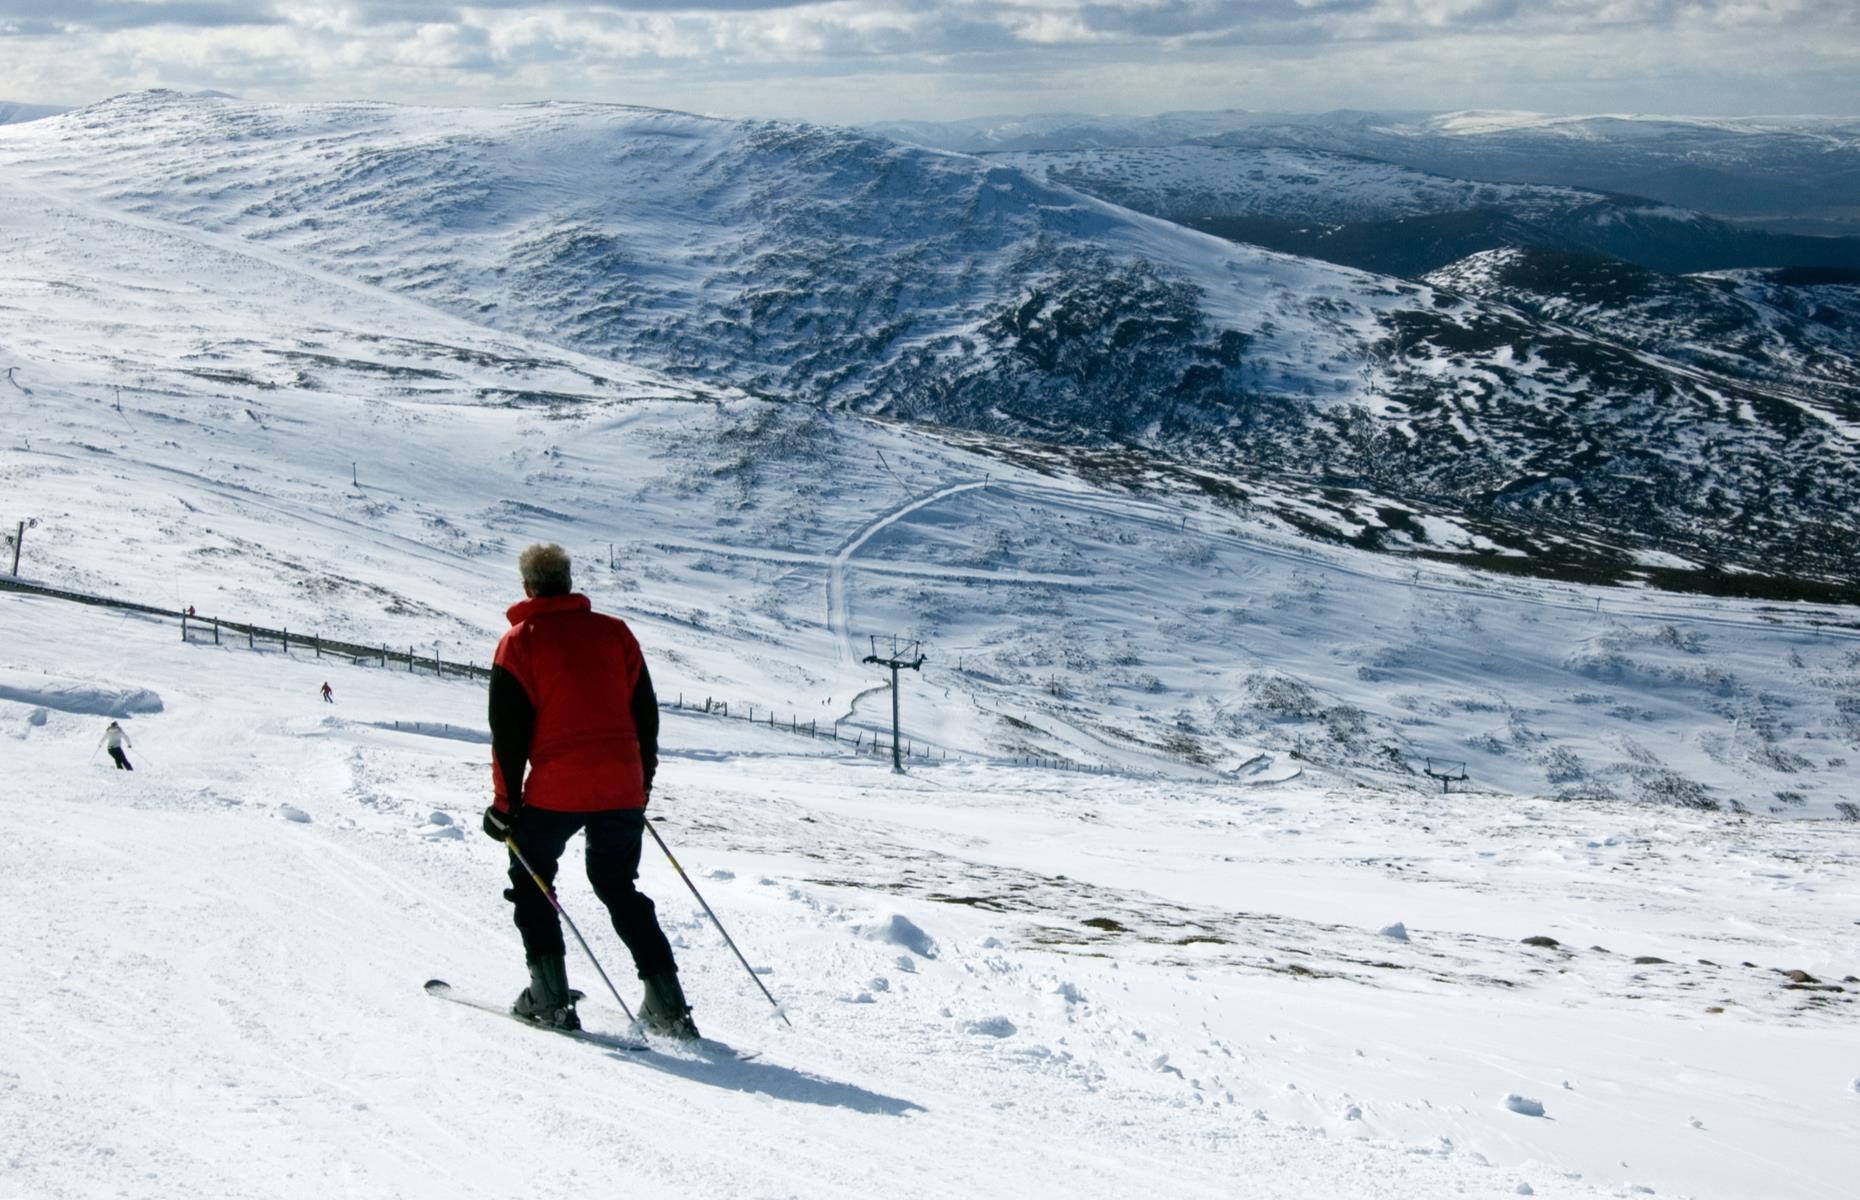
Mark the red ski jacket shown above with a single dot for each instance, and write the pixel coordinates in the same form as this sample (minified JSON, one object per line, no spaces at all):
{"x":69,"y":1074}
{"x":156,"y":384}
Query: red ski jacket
{"x":572,"y":699}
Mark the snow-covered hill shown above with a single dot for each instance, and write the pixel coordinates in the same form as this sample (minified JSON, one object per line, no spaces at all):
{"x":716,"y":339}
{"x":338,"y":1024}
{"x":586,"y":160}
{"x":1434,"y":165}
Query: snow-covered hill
{"x":1378,"y":216}
{"x":836,"y":268}
{"x":1786,"y":173}
{"x":1791,"y":329}
{"x":1257,"y":944}
{"x":1199,"y":180}
{"x":200,"y":421}
{"x":999,"y":979}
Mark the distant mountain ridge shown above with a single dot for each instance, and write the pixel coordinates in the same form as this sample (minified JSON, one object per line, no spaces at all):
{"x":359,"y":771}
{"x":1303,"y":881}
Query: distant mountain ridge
{"x":1788,"y":174}
{"x":1381,"y":217}
{"x":836,"y":268}
{"x":12,"y":113}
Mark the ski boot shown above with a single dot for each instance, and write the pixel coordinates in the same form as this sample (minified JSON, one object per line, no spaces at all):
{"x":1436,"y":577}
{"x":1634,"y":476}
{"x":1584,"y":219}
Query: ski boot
{"x":664,"y":1010}
{"x":549,"y":1000}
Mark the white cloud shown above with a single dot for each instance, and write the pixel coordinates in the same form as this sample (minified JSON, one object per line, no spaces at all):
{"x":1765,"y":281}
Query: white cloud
{"x":875,"y":58}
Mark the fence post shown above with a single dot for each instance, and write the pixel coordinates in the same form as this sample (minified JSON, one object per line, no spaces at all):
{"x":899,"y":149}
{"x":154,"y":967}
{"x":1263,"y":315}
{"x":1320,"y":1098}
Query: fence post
{"x":286,"y":635}
{"x":752,"y":713}
{"x":410,"y":660}
{"x":184,"y":624}
{"x":216,"y":631}
{"x":251,"y":639}
{"x":317,"y":638}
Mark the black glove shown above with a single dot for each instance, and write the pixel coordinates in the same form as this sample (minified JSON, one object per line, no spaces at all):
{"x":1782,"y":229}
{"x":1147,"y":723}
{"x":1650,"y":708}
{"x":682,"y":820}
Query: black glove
{"x":502,"y":823}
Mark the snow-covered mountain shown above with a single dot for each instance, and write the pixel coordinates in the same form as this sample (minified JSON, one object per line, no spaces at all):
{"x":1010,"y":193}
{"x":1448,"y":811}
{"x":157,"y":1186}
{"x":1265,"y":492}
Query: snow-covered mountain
{"x":1256,"y":942}
{"x":847,"y":271}
{"x":203,"y":420}
{"x":1787,"y":173}
{"x":1378,"y":216}
{"x":1193,"y":179}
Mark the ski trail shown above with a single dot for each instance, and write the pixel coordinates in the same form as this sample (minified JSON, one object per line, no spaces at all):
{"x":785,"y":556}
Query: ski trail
{"x":839,"y":608}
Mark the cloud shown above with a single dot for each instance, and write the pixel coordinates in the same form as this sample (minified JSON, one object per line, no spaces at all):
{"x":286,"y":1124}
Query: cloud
{"x":875,"y":57}
{"x":67,"y":15}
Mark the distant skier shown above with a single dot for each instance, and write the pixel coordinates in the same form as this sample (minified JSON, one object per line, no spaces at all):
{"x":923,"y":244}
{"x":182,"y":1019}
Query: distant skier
{"x":572,"y":699}
{"x":329,"y":697}
{"x":114,"y":740}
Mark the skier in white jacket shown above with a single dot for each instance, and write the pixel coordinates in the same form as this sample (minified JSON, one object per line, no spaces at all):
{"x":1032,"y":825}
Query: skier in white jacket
{"x":114,"y":739}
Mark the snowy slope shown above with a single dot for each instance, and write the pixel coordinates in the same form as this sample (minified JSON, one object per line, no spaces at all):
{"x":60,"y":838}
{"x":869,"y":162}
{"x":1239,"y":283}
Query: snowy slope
{"x":1197,"y":180}
{"x":1000,"y":979}
{"x":1793,"y":329}
{"x":1171,"y":976}
{"x":1783,"y":172}
{"x":839,"y":269}
{"x":1379,"y":216}
{"x":200,"y":422}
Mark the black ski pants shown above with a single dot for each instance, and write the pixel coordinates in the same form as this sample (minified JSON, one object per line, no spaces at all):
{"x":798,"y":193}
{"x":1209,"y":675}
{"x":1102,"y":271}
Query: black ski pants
{"x":613,"y":864}
{"x":122,"y":760}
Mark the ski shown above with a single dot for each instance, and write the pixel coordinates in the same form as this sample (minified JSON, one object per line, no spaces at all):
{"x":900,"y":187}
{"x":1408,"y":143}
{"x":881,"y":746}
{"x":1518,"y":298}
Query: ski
{"x":703,"y":1050}
{"x":445,"y":991}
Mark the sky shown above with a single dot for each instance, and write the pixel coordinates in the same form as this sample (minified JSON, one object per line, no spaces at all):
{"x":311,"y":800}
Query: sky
{"x":851,"y":61}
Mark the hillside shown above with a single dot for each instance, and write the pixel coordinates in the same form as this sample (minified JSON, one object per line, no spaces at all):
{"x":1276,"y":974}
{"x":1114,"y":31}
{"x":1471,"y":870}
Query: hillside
{"x":273,"y":442}
{"x":1381,"y":217}
{"x":1790,"y":329}
{"x":1166,"y":900}
{"x":845,"y":271}
{"x":1786,"y":174}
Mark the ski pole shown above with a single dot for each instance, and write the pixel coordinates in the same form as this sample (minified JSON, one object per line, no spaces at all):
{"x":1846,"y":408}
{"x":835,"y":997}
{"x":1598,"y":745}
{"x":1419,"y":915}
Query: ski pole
{"x":779,"y":1011}
{"x":561,"y":912}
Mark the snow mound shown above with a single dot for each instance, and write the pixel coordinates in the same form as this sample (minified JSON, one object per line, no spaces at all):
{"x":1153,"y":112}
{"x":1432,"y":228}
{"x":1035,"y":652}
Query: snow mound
{"x":995,"y":1027}
{"x":899,"y":930}
{"x":76,"y":696}
{"x":1397,"y":931}
{"x":291,"y":812}
{"x":1524,"y":1105}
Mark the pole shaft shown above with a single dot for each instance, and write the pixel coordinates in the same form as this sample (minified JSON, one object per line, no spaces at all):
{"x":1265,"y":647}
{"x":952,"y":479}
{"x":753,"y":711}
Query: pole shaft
{"x":895,"y":764}
{"x":18,"y":541}
{"x":670,"y":857}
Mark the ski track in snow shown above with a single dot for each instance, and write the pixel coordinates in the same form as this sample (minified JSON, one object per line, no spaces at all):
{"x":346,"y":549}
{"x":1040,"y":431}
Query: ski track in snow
{"x":839,"y":611}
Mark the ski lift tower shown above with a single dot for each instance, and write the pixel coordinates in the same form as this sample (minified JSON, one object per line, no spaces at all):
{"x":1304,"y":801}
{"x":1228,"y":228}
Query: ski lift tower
{"x":904,"y":656}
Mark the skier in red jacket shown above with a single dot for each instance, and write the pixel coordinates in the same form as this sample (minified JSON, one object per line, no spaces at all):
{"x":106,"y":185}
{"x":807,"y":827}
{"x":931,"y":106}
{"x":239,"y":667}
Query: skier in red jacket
{"x":572,"y":700}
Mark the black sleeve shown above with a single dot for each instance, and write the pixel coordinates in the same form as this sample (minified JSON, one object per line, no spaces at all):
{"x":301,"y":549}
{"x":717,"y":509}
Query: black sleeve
{"x":646,"y":724}
{"x":513,"y":722}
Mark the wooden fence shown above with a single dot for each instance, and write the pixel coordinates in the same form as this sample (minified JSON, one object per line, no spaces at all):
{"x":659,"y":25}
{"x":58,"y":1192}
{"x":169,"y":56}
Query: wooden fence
{"x":222,"y":632}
